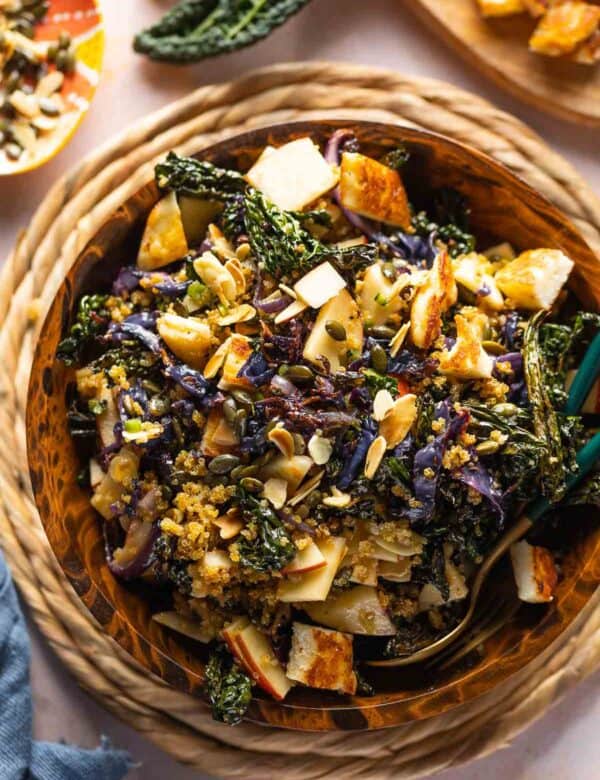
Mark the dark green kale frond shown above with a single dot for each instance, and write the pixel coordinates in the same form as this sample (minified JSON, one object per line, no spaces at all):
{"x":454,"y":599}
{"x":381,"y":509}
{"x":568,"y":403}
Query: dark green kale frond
{"x":376,"y":382}
{"x":396,"y":158}
{"x":587,"y":493}
{"x":91,"y":320}
{"x":450,"y":221}
{"x":232,"y":221}
{"x":198,"y":178}
{"x":270,"y":547}
{"x":195,"y":29}
{"x":229,"y":689}
{"x":546,"y":423}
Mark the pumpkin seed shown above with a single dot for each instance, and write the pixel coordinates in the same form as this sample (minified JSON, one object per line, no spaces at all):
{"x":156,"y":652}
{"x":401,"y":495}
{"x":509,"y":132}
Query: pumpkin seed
{"x":299,"y":374}
{"x":506,"y":409}
{"x":379,"y":359}
{"x":243,"y":398}
{"x":381,"y":332}
{"x":488,"y":447}
{"x":13,"y":151}
{"x":251,"y":484}
{"x":493,"y":347}
{"x":241,"y":471}
{"x":229,"y":410}
{"x":223,"y":464}
{"x":240,"y":422}
{"x":336,"y":330}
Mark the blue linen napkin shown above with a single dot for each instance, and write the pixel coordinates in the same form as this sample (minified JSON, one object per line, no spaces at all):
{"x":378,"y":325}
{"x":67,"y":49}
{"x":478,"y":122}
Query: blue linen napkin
{"x":20,"y":757}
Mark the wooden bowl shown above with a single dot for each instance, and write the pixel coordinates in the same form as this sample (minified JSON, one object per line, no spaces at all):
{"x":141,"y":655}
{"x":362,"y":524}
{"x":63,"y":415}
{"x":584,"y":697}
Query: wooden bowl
{"x":503,"y":207}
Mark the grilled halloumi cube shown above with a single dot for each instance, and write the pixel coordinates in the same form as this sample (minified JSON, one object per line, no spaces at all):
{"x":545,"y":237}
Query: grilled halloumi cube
{"x":373,"y":190}
{"x":187,"y":337}
{"x":534,"y":280}
{"x":322,"y":658}
{"x":535,"y":572}
{"x":431,"y":300}
{"x":500,"y":7}
{"x":164,"y":238}
{"x":293,"y":175}
{"x":467,"y":359}
{"x":238,"y":353}
{"x":564,"y":28}
{"x":474,"y":273}
{"x":537,"y":7}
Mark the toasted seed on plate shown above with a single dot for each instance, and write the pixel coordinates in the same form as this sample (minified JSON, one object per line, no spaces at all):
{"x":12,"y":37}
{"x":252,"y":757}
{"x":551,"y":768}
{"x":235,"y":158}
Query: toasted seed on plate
{"x":381,"y":332}
{"x":49,"y":84}
{"x":488,"y":447}
{"x":240,"y":422}
{"x":275,"y":491}
{"x":282,"y":439}
{"x":398,"y":340}
{"x":493,"y":347}
{"x":306,"y":489}
{"x":337,"y":499}
{"x":320,"y":449}
{"x":506,"y":409}
{"x":243,"y":398}
{"x":229,"y":410}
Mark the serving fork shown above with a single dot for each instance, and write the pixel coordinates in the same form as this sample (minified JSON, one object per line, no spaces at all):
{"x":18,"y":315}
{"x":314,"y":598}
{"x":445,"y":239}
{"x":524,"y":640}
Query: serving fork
{"x":490,"y":620}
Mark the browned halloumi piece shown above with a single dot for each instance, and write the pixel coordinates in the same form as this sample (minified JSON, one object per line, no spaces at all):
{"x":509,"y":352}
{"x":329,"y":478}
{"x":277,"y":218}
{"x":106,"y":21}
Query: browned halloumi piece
{"x":373,"y":190}
{"x":322,"y":658}
{"x":564,"y":28}
{"x":493,"y":8}
{"x":535,"y":572}
{"x":238,"y":353}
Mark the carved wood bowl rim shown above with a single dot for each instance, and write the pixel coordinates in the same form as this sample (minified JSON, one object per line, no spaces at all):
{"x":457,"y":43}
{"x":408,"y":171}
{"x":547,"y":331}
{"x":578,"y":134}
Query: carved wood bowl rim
{"x":170,"y":658}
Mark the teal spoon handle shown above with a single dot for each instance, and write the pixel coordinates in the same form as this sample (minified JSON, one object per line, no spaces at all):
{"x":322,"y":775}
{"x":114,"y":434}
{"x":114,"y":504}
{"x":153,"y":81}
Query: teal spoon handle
{"x":587,"y":457}
{"x":585,"y":377}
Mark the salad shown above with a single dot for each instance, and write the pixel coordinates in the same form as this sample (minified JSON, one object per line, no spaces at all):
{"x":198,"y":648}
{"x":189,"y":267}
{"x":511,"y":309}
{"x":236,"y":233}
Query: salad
{"x":309,"y":408}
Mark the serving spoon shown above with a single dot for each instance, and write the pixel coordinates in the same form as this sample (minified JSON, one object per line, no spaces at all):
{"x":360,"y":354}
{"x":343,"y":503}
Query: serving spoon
{"x":586,"y":458}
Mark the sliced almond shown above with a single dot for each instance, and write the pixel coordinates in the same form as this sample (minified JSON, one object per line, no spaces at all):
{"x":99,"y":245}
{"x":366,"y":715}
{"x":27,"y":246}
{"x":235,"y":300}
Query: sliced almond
{"x":215,"y":362}
{"x":320,"y":449}
{"x":382,"y":403}
{"x":399,"y":571}
{"x":221,"y":245}
{"x":275,"y":491}
{"x":293,"y":310}
{"x":306,"y":489}
{"x":24,"y":135}
{"x":399,"y":420}
{"x":50,"y":83}
{"x":398,"y":340}
{"x":229,"y":524}
{"x":288,"y":291}
{"x":242,"y":313}
{"x":235,"y":269}
{"x":283,"y":440}
{"x":337,"y":499}
{"x":374,"y":456}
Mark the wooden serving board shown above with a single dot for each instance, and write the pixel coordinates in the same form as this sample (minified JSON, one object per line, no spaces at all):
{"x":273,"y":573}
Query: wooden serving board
{"x":498,"y":47}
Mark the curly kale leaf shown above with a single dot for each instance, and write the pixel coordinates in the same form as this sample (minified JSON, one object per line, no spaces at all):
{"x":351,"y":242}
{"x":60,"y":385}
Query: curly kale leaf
{"x":450,"y":223}
{"x":198,"y":178}
{"x":546,"y":424}
{"x":587,"y":493}
{"x":396,"y":158}
{"x":376,"y":382}
{"x":195,"y":29}
{"x":92,"y":319}
{"x":229,"y":689}
{"x":271,"y":547}
{"x":281,"y":242}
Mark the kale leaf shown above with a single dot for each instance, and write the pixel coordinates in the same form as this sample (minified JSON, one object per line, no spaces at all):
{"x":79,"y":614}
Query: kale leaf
{"x":396,"y":158}
{"x":271,"y":548}
{"x":280,"y":241}
{"x":91,"y":320}
{"x":451,"y":222}
{"x":376,"y":382}
{"x":545,"y":419}
{"x":195,"y":29}
{"x":198,"y":178}
{"x":229,"y":689}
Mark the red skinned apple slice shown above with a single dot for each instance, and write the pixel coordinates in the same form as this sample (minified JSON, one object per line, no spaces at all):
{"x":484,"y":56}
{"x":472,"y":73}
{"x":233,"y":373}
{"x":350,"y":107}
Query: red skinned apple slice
{"x":256,"y":655}
{"x":315,"y":585}
{"x":229,"y":634}
{"x":307,"y":559}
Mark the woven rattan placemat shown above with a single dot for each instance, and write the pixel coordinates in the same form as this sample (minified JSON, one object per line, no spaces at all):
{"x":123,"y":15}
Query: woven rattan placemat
{"x":66,"y":219}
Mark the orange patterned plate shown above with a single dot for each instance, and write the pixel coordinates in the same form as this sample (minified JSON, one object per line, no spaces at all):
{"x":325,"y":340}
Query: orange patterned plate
{"x":82,"y":20}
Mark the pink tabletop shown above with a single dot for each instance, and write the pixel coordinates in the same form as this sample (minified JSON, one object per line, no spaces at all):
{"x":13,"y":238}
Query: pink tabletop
{"x":563,"y":745}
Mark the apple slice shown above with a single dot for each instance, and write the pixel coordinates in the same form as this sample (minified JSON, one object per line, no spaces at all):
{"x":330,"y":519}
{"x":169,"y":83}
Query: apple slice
{"x":292,"y":470}
{"x":399,"y":571}
{"x":230,"y":633}
{"x":96,"y":473}
{"x":315,"y":585}
{"x":183,"y":625}
{"x":258,"y":658}
{"x":307,"y":559}
{"x":355,"y":611}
